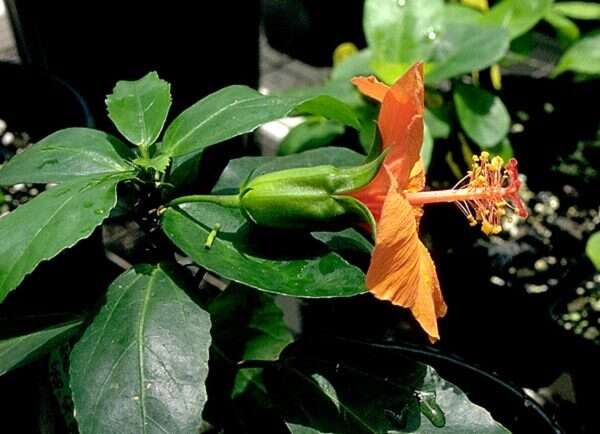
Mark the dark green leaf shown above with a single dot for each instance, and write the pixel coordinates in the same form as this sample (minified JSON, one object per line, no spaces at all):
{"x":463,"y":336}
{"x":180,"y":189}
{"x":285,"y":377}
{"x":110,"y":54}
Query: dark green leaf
{"x":361,"y":388}
{"x":247,"y":254}
{"x":517,"y":16}
{"x":402,"y":31}
{"x":462,"y":48}
{"x":52,"y":222}
{"x":438,"y":122}
{"x":330,"y":108}
{"x":20,"y":350}
{"x":139,"y":108}
{"x":237,"y":172}
{"x":311,"y":134}
{"x":482,"y":115}
{"x":66,"y":155}
{"x":247,"y":325}
{"x":227,"y":113}
{"x":592,"y":249}
{"x":142,"y":363}
{"x":579,"y":10}
{"x":583,"y":56}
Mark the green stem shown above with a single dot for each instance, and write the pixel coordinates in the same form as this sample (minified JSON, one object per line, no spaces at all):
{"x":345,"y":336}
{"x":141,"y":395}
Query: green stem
{"x":229,"y":201}
{"x":144,"y":151}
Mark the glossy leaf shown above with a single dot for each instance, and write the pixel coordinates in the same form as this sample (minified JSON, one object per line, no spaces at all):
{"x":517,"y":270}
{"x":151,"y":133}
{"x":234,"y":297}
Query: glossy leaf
{"x":247,"y":254}
{"x":330,"y":108}
{"x":361,"y":388}
{"x":592,"y":249}
{"x":142,"y":363}
{"x":402,"y":31}
{"x":583,"y":56}
{"x":139,"y":108}
{"x":247,"y":325}
{"x":517,"y":16}
{"x":578,"y":10}
{"x":65,"y":155}
{"x":52,"y":222}
{"x":312,"y":134}
{"x":463,"y":48}
{"x":20,"y":350}
{"x":438,"y":122}
{"x":482,"y":115}
{"x":227,"y":113}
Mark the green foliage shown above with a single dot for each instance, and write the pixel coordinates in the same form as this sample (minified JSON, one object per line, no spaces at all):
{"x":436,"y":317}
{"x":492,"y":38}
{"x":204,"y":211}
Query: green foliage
{"x":578,"y":10}
{"x":518,"y":16}
{"x":316,"y":132}
{"x":592,"y":249}
{"x":68,"y":155}
{"x":583,"y":56}
{"x":20,"y":350}
{"x":482,"y":115}
{"x":36,"y":231}
{"x":139,"y":108}
{"x":141,"y":364}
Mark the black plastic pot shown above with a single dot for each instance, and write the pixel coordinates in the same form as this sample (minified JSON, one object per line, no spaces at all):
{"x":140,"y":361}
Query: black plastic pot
{"x":198,"y":47}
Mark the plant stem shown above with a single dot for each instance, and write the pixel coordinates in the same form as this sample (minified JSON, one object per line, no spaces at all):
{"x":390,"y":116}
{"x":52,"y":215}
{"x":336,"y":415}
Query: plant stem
{"x":229,"y":201}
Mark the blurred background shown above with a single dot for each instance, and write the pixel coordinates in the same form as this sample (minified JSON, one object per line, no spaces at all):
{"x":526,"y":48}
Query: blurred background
{"x":524,"y":304}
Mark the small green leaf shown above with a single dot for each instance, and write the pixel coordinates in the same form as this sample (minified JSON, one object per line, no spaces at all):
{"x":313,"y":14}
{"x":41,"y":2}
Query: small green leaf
{"x":427,"y":148}
{"x":227,"y":113}
{"x":583,"y":56}
{"x":579,"y":10}
{"x":139,"y":108}
{"x":52,"y":222}
{"x":142,"y":363}
{"x":20,"y":350}
{"x":518,"y":16}
{"x":567,"y":29}
{"x":358,"y":64}
{"x":482,"y":115}
{"x":300,"y":429}
{"x":66,"y":155}
{"x":592,"y":249}
{"x":503,"y":149}
{"x":247,"y":325}
{"x":330,"y":108}
{"x":311,"y":134}
{"x":402,"y":31}
{"x":158,"y":163}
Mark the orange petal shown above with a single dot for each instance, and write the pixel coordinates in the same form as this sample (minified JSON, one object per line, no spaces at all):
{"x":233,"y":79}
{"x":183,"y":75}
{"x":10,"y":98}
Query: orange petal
{"x":371,"y":87}
{"x":401,"y":269}
{"x":401,"y":123}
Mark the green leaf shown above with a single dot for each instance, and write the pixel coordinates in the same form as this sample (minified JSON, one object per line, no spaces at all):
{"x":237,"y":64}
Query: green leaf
{"x":20,"y":350}
{"x":401,"y":31}
{"x":139,"y":108}
{"x":463,"y":48}
{"x":482,"y":115}
{"x":142,"y":363}
{"x":358,"y":64}
{"x":427,"y":148}
{"x":247,"y":254}
{"x":311,"y":134}
{"x":583,"y":56}
{"x":67,"y":155}
{"x":592,"y":249}
{"x":579,"y":10}
{"x":503,"y":149}
{"x":55,"y":220}
{"x":330,"y":108}
{"x":438,"y":122}
{"x":247,"y":325}
{"x":300,"y":429}
{"x":567,"y":29}
{"x":517,"y":16}
{"x":397,"y":394}
{"x":158,"y":163}
{"x":227,"y":113}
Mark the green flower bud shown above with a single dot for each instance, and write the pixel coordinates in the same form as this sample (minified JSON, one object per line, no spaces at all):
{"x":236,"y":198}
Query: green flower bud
{"x":309,"y":197}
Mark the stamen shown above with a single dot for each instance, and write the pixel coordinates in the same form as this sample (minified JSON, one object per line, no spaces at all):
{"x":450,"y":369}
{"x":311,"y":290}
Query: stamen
{"x":483,"y":195}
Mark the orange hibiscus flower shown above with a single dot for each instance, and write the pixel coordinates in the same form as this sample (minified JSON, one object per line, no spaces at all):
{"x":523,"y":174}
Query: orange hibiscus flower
{"x":401,"y":269}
